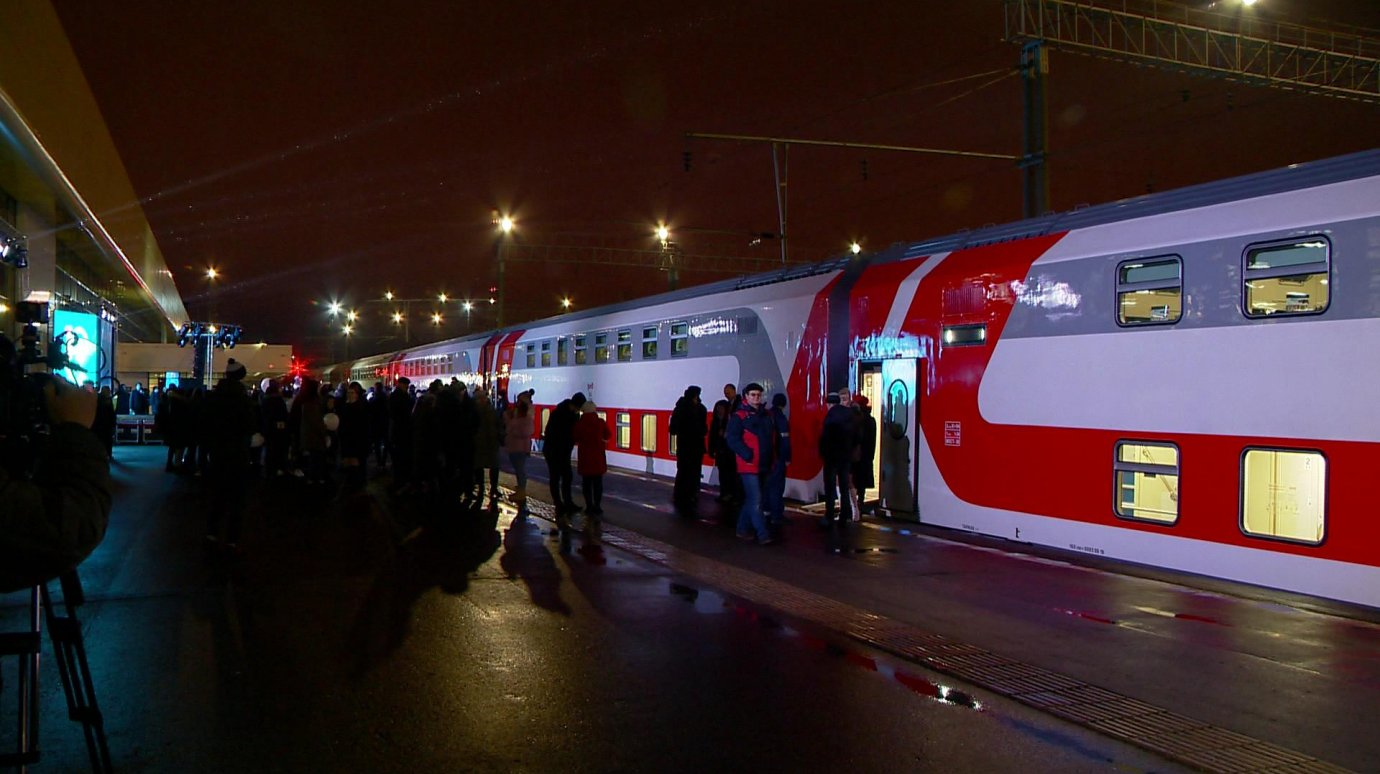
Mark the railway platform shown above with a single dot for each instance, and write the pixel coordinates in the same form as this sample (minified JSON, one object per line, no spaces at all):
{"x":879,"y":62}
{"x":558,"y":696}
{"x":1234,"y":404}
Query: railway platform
{"x":375,"y":633}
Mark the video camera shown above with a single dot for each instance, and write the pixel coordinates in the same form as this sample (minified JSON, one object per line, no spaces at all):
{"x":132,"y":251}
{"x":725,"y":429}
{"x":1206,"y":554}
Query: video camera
{"x":23,"y":415}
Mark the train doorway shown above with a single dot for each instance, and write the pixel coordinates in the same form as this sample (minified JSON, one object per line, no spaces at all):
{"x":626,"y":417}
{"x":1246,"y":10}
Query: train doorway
{"x":899,"y":424}
{"x":870,"y":387}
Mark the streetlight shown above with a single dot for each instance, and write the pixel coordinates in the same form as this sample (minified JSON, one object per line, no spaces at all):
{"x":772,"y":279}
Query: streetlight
{"x":211,"y":272}
{"x":505,"y":224}
{"x":388,"y":295}
{"x":352,"y":315}
{"x":663,"y":233}
{"x":855,"y":248}
{"x":566,"y":302}
{"x":436,"y":318}
{"x":334,"y":308}
{"x":442,"y":298}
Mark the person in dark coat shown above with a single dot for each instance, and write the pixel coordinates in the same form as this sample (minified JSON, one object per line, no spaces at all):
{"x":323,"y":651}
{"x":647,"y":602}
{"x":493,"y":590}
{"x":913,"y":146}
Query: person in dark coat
{"x":558,"y":442}
{"x":487,"y":445}
{"x":730,"y":487}
{"x":230,"y":425}
{"x":353,"y":433}
{"x":400,"y":432}
{"x":139,"y":400}
{"x":378,"y":423}
{"x":863,"y":478}
{"x":273,"y":418}
{"x":688,"y":428}
{"x":774,"y":487}
{"x":838,"y":440}
{"x":104,"y":425}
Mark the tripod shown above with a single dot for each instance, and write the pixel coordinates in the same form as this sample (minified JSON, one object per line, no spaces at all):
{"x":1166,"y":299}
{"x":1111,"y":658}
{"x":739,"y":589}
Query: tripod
{"x":65,"y":632}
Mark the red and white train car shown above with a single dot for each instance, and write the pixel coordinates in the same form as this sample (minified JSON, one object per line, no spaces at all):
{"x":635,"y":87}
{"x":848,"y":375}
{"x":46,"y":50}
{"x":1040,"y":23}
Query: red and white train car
{"x":1186,"y":380}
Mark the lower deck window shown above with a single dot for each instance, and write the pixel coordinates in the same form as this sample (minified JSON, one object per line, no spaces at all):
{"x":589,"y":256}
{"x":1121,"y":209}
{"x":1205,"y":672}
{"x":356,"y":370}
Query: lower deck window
{"x":623,"y":423}
{"x":649,"y":433}
{"x":1147,"y":481}
{"x":1284,"y":494}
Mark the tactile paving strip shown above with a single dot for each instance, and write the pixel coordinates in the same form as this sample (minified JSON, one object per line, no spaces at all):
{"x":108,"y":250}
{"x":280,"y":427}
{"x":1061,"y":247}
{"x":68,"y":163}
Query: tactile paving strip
{"x":1162,"y":731}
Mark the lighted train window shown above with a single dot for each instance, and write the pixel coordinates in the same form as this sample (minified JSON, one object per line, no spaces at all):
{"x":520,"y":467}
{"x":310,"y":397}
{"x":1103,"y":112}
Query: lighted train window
{"x":623,"y":425}
{"x":1284,"y":494}
{"x":563,"y":352}
{"x":964,"y":335}
{"x":1147,"y":481}
{"x":531,"y":355}
{"x":649,"y":433}
{"x":1150,"y":291}
{"x":601,"y":348}
{"x":1287,"y":277}
{"x":624,"y":346}
{"x":680,"y":339}
{"x":581,"y":353}
{"x":649,"y":343}
{"x":545,"y":354}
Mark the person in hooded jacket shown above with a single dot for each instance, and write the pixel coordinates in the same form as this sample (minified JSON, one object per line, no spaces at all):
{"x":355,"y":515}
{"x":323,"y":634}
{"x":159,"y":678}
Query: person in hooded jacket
{"x":688,"y":427}
{"x":863,"y":478}
{"x":487,"y":446}
{"x":591,"y":439}
{"x":774,"y":485}
{"x":354,"y":436}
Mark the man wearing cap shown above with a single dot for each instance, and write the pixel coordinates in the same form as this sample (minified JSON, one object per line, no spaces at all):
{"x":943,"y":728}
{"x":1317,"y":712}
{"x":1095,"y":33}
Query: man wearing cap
{"x":688,"y":427}
{"x":749,"y":436}
{"x":231,"y":424}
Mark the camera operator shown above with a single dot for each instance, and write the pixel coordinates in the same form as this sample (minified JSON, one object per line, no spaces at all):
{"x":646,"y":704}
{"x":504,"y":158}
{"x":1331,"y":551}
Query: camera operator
{"x":49,"y":524}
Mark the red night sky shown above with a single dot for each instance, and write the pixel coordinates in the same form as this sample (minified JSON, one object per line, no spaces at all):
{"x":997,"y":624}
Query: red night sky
{"x":331,"y":150}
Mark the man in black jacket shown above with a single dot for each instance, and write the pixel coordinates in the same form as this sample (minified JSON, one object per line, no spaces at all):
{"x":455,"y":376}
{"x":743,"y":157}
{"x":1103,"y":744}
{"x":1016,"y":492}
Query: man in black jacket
{"x":231,"y":422}
{"x":688,"y":427}
{"x":558,"y":441}
{"x":49,"y":524}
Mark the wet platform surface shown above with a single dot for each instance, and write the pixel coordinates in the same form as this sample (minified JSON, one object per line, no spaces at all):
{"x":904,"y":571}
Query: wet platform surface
{"x":369,"y":634}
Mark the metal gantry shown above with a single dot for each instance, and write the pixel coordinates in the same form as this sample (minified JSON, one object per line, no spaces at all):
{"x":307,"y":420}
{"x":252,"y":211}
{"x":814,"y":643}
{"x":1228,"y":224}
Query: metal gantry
{"x":1238,"y":46}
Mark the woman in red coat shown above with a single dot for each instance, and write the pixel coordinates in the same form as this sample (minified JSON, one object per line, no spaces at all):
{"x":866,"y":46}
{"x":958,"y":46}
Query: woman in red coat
{"x":591,"y":436}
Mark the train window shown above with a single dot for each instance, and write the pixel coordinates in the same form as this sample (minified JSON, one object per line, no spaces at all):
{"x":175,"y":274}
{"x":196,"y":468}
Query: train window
{"x":1150,"y":291}
{"x":531,"y":355}
{"x":601,"y":348}
{"x":545,"y":417}
{"x":671,"y":445}
{"x":680,"y":339}
{"x":623,"y":426}
{"x":545,"y":354}
{"x":1284,"y":494}
{"x":624,"y":346}
{"x":563,"y":352}
{"x":649,"y":343}
{"x":1147,"y":481}
{"x":581,"y":351}
{"x":1287,"y":277}
{"x":649,"y":433}
{"x":965,"y":335}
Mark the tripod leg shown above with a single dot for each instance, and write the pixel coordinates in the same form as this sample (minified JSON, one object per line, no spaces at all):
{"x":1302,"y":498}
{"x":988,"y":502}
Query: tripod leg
{"x":70,"y":652}
{"x":27,"y":646}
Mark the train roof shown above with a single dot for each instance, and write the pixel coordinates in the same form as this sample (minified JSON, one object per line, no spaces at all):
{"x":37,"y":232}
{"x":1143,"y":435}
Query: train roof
{"x":1291,"y":178}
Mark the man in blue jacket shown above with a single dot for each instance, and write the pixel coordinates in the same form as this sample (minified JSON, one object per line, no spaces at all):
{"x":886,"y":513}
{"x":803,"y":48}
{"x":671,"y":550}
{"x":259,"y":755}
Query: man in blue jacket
{"x":749,"y":435}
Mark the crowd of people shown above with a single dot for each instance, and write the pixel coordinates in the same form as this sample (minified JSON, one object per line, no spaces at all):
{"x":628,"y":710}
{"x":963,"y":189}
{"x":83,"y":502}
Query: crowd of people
{"x":448,"y":437}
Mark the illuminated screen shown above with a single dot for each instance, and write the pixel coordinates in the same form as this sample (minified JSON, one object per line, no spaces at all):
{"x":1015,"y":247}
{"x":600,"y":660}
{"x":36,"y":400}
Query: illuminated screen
{"x":170,"y":379}
{"x":80,"y":336}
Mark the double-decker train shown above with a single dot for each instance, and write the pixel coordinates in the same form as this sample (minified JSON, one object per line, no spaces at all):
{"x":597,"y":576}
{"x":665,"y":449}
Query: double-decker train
{"x":1186,"y":380}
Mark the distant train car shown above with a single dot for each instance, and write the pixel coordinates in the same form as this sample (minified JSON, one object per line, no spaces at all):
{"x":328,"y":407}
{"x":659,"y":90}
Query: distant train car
{"x":1184,"y":380}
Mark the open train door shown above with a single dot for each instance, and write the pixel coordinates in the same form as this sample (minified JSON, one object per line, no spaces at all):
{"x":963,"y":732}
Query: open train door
{"x":900,"y":428}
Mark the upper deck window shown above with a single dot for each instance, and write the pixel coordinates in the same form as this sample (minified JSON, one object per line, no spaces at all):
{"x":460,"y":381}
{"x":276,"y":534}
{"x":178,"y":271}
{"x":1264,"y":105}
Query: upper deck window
{"x":1287,"y":277}
{"x":531,"y":355}
{"x":581,"y":351}
{"x":562,"y":352}
{"x":1150,"y":291}
{"x":680,"y":339}
{"x":545,"y":354}
{"x":649,"y":343}
{"x":624,"y":346}
{"x":601,"y":348}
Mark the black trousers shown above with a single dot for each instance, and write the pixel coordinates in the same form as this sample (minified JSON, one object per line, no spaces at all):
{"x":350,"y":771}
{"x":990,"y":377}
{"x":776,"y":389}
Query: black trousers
{"x":836,"y":486}
{"x":560,"y":476}
{"x":593,"y":487}
{"x":686,"y":494}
